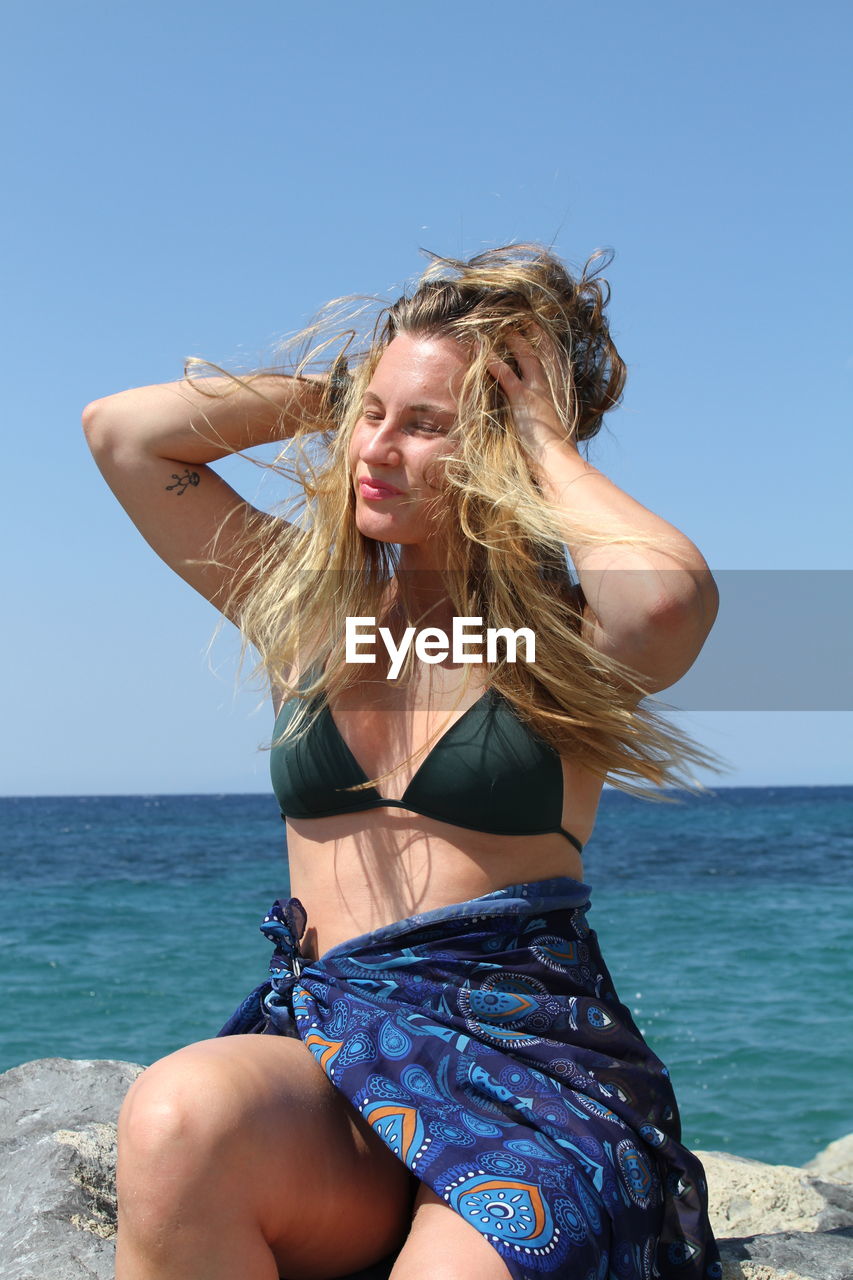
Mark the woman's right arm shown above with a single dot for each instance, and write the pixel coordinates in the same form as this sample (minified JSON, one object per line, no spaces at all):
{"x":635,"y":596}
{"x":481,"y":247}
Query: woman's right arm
{"x":152,"y":445}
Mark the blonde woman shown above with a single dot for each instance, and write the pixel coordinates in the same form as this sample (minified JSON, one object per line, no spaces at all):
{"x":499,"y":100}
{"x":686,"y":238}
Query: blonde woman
{"x":437,"y":1078}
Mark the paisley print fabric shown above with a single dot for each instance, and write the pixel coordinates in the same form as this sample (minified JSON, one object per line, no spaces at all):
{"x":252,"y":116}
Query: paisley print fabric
{"x":485,"y":1044}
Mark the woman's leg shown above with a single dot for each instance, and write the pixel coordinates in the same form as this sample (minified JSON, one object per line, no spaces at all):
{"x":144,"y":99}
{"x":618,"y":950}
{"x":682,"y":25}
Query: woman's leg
{"x":238,"y":1157}
{"x":443,"y":1246}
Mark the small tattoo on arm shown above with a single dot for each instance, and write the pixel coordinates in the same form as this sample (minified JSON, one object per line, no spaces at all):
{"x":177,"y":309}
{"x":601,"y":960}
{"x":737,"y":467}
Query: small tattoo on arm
{"x":184,"y":480}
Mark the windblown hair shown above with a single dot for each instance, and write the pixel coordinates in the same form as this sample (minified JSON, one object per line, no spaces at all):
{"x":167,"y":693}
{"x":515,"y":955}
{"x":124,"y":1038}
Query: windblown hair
{"x":506,"y":545}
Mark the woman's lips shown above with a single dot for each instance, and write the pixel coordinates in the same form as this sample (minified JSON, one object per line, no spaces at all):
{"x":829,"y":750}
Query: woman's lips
{"x":375,"y":490}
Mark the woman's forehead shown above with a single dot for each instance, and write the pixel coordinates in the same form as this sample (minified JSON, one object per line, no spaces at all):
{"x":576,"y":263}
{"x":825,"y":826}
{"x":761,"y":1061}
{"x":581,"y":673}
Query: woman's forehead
{"x":428,"y":367}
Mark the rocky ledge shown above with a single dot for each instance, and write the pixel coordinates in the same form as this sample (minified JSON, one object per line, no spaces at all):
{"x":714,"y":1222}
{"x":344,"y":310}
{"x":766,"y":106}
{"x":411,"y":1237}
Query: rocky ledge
{"x":58,"y":1205}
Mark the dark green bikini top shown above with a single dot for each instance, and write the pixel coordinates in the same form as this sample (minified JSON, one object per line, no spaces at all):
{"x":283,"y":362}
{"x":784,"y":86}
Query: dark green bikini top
{"x":489,"y":772}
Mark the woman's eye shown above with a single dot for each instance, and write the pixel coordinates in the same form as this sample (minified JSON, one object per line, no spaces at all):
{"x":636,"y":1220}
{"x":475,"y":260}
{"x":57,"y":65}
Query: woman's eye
{"x":371,"y":415}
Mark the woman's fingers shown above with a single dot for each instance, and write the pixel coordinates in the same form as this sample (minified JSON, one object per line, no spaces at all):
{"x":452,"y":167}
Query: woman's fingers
{"x":528,"y":391}
{"x":527,"y":359}
{"x":505,"y":376}
{"x":529,"y":362}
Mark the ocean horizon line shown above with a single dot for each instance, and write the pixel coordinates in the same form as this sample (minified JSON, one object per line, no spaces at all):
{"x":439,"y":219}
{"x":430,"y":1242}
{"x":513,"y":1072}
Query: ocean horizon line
{"x":609,"y":789}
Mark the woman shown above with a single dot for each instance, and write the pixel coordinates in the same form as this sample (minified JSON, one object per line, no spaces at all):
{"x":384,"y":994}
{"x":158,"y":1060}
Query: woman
{"x":445,"y":1078}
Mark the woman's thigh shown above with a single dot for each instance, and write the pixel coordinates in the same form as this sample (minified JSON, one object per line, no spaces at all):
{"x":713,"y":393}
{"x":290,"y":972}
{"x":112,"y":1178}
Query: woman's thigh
{"x":253,"y":1121}
{"x":442,"y":1245}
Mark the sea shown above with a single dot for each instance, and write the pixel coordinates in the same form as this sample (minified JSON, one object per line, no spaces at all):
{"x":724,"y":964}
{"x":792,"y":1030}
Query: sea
{"x":129,"y":927}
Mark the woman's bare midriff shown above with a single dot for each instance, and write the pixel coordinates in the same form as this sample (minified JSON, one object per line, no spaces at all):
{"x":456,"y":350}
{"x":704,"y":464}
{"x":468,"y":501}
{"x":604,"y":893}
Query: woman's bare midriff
{"x":356,"y":872}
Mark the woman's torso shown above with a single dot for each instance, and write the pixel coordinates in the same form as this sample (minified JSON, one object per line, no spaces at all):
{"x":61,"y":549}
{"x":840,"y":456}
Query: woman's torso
{"x":356,"y":872}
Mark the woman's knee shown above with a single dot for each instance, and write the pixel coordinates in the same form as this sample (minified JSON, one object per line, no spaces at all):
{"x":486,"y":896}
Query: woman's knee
{"x":250,"y":1129}
{"x":182,"y":1120}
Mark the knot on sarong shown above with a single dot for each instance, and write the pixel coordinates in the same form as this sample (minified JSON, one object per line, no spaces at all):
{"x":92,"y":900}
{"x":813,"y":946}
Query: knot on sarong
{"x":284,"y":924}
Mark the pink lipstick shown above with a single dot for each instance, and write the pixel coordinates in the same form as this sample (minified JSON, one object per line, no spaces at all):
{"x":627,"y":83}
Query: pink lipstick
{"x":375,"y":491}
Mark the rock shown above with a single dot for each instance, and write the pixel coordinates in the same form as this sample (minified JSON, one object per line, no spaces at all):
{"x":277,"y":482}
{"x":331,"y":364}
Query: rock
{"x":58,"y":1207}
{"x":755,"y":1271}
{"x":798,"y":1255}
{"x":57,"y":1146}
{"x":778,"y":1222}
{"x":747,"y":1197}
{"x":835,"y":1162}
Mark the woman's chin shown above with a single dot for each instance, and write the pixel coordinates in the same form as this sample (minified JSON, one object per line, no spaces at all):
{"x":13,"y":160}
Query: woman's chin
{"x":378,"y":530}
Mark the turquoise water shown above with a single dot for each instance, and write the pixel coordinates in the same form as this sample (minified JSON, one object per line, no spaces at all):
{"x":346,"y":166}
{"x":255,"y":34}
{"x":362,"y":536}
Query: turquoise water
{"x":129,"y":928}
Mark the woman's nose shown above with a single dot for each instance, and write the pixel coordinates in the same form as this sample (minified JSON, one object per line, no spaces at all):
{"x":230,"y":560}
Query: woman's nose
{"x":382,"y":443}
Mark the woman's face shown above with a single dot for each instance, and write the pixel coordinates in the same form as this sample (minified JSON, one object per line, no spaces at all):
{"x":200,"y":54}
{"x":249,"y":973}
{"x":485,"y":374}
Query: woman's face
{"x":408,"y":411}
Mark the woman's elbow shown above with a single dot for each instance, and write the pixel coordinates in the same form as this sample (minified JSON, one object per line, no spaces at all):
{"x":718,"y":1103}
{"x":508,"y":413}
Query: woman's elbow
{"x":690,"y":603}
{"x":98,"y":418}
{"x":706,"y":603}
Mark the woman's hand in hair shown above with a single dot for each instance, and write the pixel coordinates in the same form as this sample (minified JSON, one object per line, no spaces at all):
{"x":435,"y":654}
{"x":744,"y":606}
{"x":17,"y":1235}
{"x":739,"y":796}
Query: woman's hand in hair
{"x":531,"y":403}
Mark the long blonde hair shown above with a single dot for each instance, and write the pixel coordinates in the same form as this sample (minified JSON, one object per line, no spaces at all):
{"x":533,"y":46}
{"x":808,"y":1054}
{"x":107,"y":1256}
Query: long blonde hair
{"x":506,"y":549}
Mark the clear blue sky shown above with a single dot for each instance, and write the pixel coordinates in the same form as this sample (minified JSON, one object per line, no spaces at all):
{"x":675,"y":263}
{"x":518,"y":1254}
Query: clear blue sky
{"x":192,"y":178}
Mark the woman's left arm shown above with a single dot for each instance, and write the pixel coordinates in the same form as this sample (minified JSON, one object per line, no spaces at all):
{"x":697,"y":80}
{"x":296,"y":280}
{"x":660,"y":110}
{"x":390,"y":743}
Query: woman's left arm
{"x":651,"y":607}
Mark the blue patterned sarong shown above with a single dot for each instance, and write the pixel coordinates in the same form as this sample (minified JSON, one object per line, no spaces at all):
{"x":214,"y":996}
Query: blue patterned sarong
{"x":485,"y":1044}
